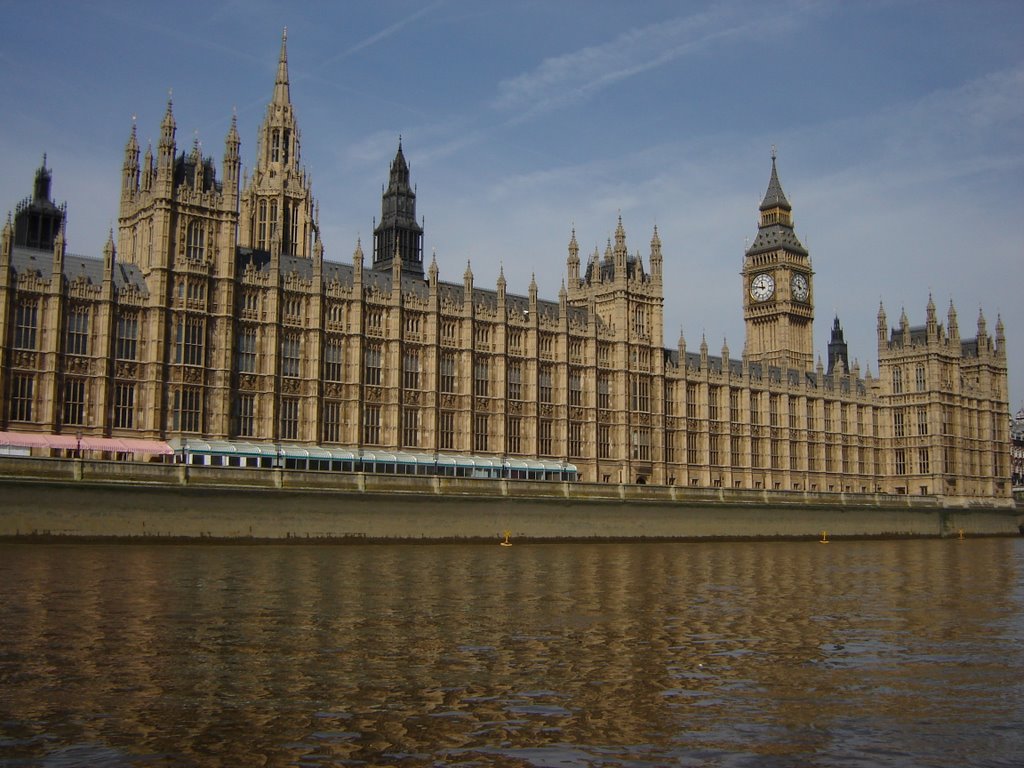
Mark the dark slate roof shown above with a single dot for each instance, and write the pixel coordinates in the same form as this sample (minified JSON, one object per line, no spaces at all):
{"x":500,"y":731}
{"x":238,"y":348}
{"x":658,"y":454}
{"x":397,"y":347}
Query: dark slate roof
{"x":604,"y":269}
{"x":775,"y":197}
{"x":918,"y":335}
{"x":25,"y":260}
{"x":776,"y":236}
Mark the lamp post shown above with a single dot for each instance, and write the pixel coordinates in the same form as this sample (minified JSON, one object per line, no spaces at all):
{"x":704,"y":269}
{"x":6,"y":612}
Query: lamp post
{"x":78,"y":441}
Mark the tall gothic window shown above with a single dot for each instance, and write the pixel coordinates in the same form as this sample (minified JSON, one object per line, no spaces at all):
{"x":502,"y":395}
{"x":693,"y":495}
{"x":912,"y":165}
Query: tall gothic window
{"x":544,"y":385}
{"x":480,"y":432}
{"x":189,"y":340}
{"x":372,"y":365}
{"x":289,"y":418}
{"x":275,"y":145}
{"x":411,"y":427}
{"x":22,"y":386}
{"x":126,"y":347}
{"x":513,"y":440}
{"x":333,"y":360}
{"x":371,"y":424}
{"x":332,"y":421}
{"x":448,"y":381}
{"x":545,"y":442}
{"x":74,"y":401}
{"x":604,"y":391}
{"x":291,"y":345}
{"x":447,"y":430}
{"x":186,"y":409}
{"x":245,"y":413}
{"x":897,"y":381}
{"x":245,"y":349}
{"x":25,"y":324}
{"x":261,"y":226}
{"x":124,"y":405}
{"x":575,"y":438}
{"x":575,"y":388}
{"x":515,"y":382}
{"x":481,"y":377}
{"x":77,"y":337}
{"x":195,"y":240}
{"x":294,"y":236}
{"x":272,"y":228}
{"x":411,"y":370}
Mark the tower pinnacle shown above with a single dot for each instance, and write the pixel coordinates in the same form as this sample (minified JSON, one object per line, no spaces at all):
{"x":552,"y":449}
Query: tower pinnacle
{"x":282,"y":93}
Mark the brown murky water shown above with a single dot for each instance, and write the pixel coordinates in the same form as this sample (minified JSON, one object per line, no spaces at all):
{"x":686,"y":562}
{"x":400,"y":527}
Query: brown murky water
{"x":769,"y":654}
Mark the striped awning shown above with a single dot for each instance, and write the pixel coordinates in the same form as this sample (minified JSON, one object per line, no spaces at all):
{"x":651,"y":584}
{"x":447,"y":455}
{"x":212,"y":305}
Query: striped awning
{"x":85,"y":443}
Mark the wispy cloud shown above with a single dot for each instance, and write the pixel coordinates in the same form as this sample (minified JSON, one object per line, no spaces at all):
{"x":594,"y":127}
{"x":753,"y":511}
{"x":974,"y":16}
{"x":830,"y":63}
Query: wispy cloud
{"x":576,"y":76}
{"x":383,"y":34}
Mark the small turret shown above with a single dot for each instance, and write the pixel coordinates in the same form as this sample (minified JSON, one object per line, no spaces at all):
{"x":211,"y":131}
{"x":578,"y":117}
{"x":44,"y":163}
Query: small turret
{"x":837,"y":348}
{"x":357,"y":262}
{"x":952,"y":325}
{"x":108,"y":255}
{"x":501,"y":285}
{"x":130,"y":169}
{"x":932,"y":322}
{"x":573,"y":262}
{"x":656,"y":262}
{"x":467,"y":284}
{"x":1000,"y":338}
{"x":232,"y":159}
{"x":166,"y":147}
{"x":882,"y":327}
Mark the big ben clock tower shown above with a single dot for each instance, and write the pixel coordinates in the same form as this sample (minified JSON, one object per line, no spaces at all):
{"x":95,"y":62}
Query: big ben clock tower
{"x":778,"y":294}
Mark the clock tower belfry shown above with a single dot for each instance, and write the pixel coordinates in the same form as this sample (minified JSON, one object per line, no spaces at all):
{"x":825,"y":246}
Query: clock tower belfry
{"x":778,"y":294}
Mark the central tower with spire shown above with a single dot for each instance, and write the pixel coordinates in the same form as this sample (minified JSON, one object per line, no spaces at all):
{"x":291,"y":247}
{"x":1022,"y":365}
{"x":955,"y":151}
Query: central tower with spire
{"x":398,"y":234}
{"x":778,"y":291}
{"x":277,"y":207}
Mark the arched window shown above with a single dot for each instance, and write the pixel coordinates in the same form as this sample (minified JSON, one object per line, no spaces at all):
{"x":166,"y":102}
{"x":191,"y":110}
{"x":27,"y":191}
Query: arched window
{"x":261,"y":227}
{"x":897,"y":381}
{"x":195,"y":241}
{"x":921,"y":383}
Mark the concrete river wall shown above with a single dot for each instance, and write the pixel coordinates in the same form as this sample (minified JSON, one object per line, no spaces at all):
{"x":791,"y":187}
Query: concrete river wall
{"x":76,"y":498}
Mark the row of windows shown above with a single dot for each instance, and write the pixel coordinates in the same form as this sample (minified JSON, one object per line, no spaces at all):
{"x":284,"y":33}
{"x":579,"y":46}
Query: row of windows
{"x":76,"y":331}
{"x":73,"y":401}
{"x":920,"y":379}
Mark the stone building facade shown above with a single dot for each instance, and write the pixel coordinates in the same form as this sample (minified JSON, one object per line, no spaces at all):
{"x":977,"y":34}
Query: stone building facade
{"x":216,"y":316}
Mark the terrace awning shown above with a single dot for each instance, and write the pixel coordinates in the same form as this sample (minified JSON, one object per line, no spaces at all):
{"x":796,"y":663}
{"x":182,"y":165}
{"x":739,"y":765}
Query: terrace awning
{"x":85,"y":442}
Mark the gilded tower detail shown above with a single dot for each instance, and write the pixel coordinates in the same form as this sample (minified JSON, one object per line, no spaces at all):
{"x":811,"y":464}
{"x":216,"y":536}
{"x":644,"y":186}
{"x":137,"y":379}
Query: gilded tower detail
{"x":216,"y":320}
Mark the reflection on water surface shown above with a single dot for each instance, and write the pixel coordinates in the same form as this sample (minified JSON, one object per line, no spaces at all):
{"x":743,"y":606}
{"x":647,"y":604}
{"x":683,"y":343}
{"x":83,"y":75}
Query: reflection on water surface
{"x":872,"y":653}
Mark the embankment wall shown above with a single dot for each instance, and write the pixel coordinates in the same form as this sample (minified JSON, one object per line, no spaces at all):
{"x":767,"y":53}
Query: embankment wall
{"x":112,"y":499}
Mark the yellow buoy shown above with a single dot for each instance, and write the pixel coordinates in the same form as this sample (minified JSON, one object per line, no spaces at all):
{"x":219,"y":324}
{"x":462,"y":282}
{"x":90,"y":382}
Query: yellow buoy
{"x":824,"y":537}
{"x":506,"y":542}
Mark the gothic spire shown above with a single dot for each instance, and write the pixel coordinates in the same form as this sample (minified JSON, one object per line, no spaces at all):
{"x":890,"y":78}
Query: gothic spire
{"x":282,"y":94}
{"x":775,"y":197}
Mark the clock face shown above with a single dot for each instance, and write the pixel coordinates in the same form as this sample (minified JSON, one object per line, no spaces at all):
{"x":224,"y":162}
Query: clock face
{"x":762,"y":287}
{"x":800,"y":288}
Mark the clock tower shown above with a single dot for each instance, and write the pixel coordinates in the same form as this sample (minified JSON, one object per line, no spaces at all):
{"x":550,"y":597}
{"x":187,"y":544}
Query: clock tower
{"x":778,"y":291}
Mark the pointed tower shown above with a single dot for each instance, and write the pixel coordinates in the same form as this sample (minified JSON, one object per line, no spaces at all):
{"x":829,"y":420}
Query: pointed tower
{"x":37,"y":219}
{"x":398,"y":231}
{"x":778,"y":295}
{"x":837,"y":351}
{"x":277,"y":204}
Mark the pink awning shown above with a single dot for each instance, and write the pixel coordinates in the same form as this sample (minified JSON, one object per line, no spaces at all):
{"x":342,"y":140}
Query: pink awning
{"x":86,"y":443}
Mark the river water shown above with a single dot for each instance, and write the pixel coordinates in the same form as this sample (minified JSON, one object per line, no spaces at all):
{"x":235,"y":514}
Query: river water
{"x":867,"y":653}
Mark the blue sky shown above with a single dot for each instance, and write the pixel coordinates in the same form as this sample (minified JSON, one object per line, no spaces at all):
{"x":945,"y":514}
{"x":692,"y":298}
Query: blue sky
{"x":899,"y":128}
